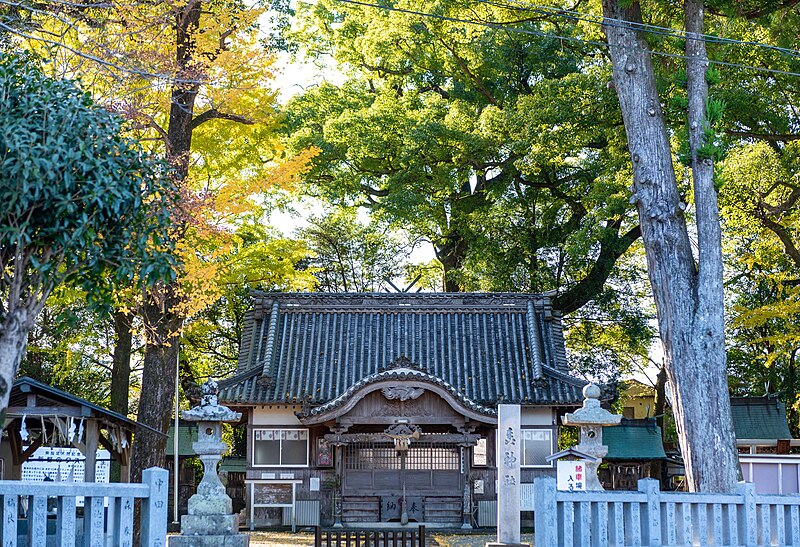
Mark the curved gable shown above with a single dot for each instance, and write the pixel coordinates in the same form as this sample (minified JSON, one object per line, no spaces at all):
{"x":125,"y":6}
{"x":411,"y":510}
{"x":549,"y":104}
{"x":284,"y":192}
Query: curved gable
{"x":400,"y":392}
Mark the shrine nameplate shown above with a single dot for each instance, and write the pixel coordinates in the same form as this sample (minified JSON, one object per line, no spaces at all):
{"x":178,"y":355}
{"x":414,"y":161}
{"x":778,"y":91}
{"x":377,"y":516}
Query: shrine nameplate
{"x":273,"y":494}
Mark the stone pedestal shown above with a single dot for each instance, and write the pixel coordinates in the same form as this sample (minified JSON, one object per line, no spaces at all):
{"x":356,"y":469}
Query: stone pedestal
{"x":210,"y":521}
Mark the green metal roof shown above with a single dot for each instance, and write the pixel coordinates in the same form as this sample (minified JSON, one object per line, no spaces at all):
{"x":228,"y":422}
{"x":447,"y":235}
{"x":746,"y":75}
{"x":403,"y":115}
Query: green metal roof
{"x":187,"y":434}
{"x":759,"y":418}
{"x":634,"y":440}
{"x":233,"y":464}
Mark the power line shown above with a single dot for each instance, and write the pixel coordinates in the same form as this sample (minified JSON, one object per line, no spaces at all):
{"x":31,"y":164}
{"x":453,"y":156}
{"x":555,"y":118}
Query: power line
{"x":506,"y":27}
{"x":645,"y":27}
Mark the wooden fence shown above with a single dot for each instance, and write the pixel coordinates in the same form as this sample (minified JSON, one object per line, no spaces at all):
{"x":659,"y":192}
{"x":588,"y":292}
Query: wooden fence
{"x":654,"y":518}
{"x":55,"y":503}
{"x":365,"y":538}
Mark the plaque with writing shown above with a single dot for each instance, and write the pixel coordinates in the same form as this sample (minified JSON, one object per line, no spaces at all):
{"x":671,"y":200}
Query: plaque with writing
{"x":392,"y":508}
{"x":324,"y":453}
{"x":272,"y":494}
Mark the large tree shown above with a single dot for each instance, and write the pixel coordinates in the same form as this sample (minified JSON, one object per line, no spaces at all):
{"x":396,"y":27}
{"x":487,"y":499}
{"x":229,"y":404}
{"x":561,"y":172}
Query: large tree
{"x":194,"y":82}
{"x":688,"y":290}
{"x":79,"y":203}
{"x":351,"y":256}
{"x":497,"y":147}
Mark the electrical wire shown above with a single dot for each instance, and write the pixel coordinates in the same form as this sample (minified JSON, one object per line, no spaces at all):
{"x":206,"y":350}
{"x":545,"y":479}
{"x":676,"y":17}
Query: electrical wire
{"x":506,"y":27}
{"x":645,"y":27}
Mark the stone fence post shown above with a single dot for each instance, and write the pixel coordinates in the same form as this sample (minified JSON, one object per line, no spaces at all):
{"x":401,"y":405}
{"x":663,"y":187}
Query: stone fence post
{"x":154,"y":508}
{"x":545,"y":514}
{"x":650,"y":488}
{"x":748,"y":492}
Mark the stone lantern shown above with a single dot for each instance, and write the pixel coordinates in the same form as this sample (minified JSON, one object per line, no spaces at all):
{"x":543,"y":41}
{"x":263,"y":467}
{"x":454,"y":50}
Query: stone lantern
{"x":591,"y":418}
{"x":210,"y":521}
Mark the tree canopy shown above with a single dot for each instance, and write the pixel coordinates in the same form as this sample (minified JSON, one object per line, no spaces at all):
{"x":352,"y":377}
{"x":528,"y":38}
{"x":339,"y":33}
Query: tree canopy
{"x":80,"y":202}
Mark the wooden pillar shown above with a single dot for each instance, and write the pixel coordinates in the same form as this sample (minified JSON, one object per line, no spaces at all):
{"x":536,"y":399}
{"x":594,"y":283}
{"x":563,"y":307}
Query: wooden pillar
{"x":16,"y":452}
{"x":337,"y":501}
{"x":466,"y":458}
{"x":125,"y":464}
{"x":92,"y":442}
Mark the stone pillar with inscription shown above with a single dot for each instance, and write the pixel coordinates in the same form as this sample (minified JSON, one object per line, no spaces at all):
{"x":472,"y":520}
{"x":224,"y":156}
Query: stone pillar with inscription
{"x":509,"y":457}
{"x":210,"y":521}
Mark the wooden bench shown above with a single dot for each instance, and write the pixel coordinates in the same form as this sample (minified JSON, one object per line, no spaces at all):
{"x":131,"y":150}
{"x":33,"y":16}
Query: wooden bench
{"x":366,"y":538}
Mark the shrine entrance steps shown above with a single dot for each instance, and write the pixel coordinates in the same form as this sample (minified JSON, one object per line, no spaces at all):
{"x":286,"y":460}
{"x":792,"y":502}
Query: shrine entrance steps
{"x":442,"y":510}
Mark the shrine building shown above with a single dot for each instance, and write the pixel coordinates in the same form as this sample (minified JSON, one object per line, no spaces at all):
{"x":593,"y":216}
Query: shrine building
{"x":380,"y":408}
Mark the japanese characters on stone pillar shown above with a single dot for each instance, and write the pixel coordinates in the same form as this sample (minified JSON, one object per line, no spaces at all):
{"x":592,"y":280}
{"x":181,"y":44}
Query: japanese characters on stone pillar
{"x":591,"y":418}
{"x":508,"y":475}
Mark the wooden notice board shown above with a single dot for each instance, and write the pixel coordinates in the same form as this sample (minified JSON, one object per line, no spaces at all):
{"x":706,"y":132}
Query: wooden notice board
{"x":272,"y":493}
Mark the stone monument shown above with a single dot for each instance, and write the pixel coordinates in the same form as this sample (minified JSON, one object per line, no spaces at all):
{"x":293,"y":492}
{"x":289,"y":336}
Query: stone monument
{"x":210,"y":521}
{"x":509,"y":459}
{"x":591,"y":418}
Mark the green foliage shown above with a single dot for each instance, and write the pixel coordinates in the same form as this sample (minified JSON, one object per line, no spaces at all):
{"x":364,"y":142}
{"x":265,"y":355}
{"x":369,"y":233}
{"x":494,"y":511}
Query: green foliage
{"x":611,"y":337}
{"x":80,"y":203}
{"x":69,"y":347}
{"x":476,"y":140}
{"x":762,"y":226}
{"x":713,"y":76}
{"x":502,"y":149}
{"x":259,"y":261}
{"x":349,"y":256}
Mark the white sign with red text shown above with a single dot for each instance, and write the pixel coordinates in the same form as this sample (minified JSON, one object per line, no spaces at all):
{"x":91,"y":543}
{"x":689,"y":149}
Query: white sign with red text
{"x":571,"y":475}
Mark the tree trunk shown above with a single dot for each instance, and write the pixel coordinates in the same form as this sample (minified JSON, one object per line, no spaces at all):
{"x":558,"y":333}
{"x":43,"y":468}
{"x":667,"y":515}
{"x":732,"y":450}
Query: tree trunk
{"x":661,"y":400}
{"x":160,"y":317}
{"x":13,"y":340}
{"x":158,"y":379}
{"x":451,"y":255}
{"x":690,"y":316}
{"x":720,"y":473}
{"x":121,"y":367}
{"x":612,"y":247}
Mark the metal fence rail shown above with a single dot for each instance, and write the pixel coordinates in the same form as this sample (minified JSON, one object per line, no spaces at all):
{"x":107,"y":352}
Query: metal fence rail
{"x":654,"y":518}
{"x":99,"y":521}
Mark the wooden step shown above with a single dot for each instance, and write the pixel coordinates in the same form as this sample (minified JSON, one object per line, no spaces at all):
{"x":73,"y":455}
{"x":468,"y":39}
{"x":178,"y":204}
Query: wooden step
{"x":443,"y":509}
{"x":360,"y":509}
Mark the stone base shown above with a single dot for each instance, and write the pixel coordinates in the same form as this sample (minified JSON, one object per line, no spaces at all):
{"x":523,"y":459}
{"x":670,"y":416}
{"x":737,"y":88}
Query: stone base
{"x":498,"y":544}
{"x":238,"y":540}
{"x":210,"y":504}
{"x":209,"y":525}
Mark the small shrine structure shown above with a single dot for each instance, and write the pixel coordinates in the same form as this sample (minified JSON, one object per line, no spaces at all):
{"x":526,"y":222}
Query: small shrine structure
{"x":40,"y":415}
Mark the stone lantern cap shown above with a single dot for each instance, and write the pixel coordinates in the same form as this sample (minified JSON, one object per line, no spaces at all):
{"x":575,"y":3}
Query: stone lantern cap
{"x":591,"y":414}
{"x":209,"y":409}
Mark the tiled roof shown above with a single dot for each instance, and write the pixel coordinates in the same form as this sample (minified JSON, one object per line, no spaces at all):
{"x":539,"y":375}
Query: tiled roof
{"x":491,"y":348}
{"x":759,"y":418}
{"x":634,"y":440}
